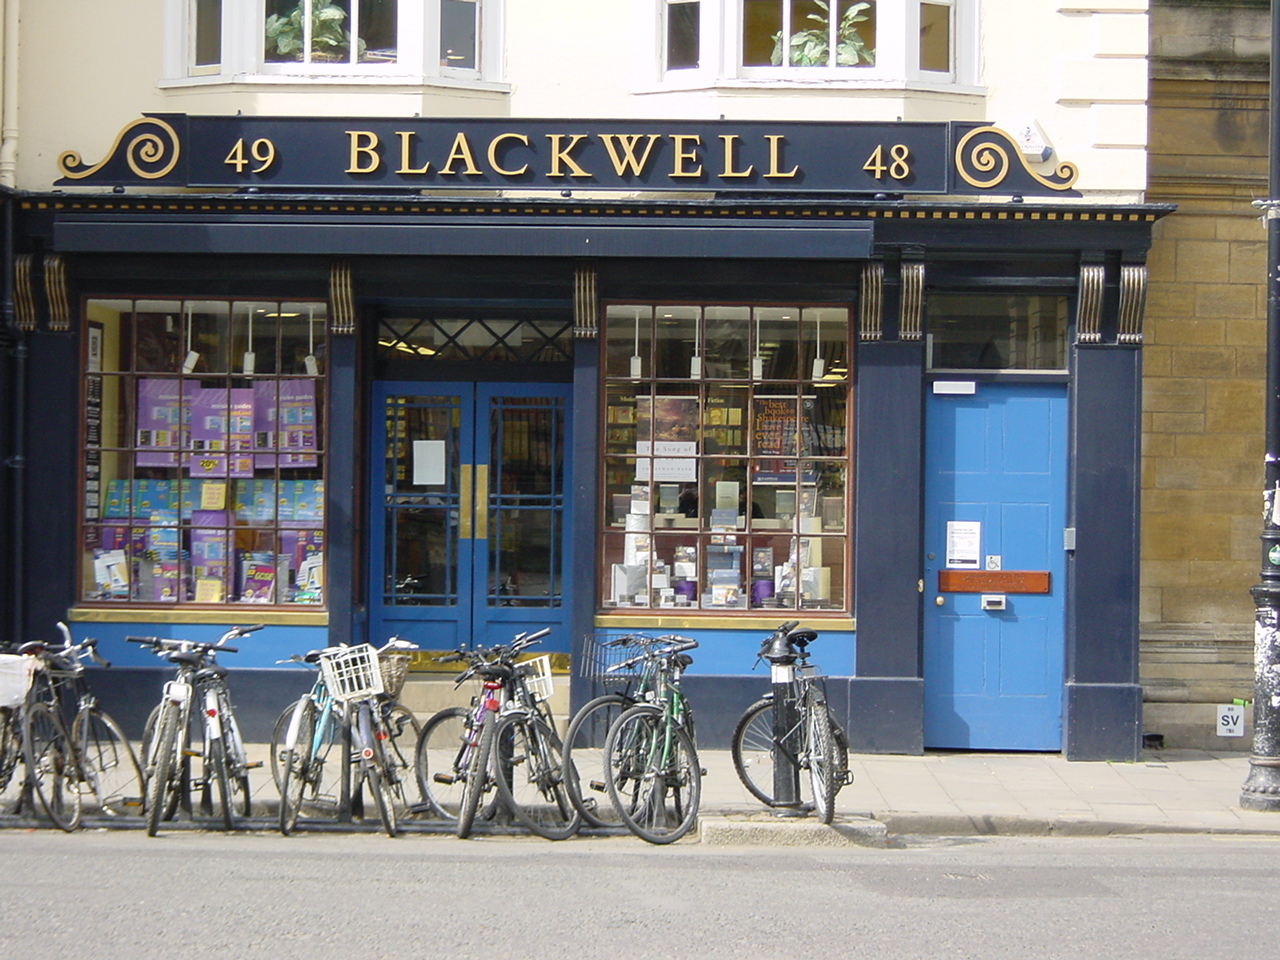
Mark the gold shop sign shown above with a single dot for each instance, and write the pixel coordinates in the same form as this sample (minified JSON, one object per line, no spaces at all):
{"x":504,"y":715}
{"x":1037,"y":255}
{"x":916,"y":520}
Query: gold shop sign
{"x":413,"y":154}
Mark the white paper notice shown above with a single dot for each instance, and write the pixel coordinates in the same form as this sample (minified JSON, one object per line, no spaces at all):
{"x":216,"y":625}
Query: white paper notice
{"x":964,"y":544}
{"x":428,"y":463}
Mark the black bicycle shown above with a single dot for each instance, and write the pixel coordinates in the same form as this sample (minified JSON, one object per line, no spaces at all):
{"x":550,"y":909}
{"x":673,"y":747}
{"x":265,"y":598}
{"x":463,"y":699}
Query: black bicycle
{"x":72,"y":750}
{"x":788,"y":750}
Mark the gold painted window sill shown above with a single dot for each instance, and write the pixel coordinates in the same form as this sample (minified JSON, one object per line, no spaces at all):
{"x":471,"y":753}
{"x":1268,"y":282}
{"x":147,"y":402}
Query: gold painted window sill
{"x":239,"y":614}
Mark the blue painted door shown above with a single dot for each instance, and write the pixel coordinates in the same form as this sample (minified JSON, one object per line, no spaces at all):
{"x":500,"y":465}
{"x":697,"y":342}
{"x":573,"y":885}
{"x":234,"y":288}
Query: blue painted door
{"x":468,"y":519}
{"x":995,"y":489}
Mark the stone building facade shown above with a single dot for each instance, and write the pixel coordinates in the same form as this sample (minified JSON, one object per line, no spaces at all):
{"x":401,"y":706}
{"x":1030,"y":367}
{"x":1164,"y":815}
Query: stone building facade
{"x":1204,"y":365}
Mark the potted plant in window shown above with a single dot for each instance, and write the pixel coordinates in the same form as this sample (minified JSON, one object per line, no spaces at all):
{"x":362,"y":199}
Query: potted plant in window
{"x":812,"y":47}
{"x":329,"y":40}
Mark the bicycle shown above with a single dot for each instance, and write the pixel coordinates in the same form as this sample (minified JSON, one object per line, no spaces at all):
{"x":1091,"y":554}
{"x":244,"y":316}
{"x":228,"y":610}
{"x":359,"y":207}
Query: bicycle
{"x":352,"y":697}
{"x":197,"y":697}
{"x":584,"y":757}
{"x":506,"y":743}
{"x":15,"y":681}
{"x":655,"y":777}
{"x":70,"y":747}
{"x":791,"y":730}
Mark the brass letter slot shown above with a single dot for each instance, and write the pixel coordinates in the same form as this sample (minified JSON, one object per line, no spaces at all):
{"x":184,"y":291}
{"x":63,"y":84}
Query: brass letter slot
{"x":993,"y":581}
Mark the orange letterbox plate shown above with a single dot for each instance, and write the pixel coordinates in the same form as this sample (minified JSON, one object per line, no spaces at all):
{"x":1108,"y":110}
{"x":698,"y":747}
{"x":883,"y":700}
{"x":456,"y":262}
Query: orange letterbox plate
{"x":993,"y":581}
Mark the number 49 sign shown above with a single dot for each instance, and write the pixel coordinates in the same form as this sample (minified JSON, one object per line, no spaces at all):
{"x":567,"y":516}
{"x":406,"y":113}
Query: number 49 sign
{"x":1231,"y":720}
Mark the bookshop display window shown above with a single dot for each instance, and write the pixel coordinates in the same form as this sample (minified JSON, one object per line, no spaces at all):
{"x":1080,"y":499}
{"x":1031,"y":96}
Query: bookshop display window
{"x":726,"y":457}
{"x":203,"y":448}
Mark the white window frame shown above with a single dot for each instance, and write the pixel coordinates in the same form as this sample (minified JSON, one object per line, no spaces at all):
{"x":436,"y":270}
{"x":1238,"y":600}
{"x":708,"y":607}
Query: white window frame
{"x":417,"y":54}
{"x":897,"y":63}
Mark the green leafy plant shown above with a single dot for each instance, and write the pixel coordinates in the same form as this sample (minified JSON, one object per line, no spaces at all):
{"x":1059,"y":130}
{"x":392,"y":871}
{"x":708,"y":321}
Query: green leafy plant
{"x":328,"y":37}
{"x":812,"y":47}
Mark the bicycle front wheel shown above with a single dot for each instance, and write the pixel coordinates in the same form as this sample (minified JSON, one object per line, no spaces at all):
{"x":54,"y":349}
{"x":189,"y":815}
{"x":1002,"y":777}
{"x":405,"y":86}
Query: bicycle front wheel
{"x":586,"y":772}
{"x":50,"y":766}
{"x":475,"y":772}
{"x":10,"y":747}
{"x":437,"y":759}
{"x":278,"y":734}
{"x":111,"y":775}
{"x":531,"y":777}
{"x":820,"y":747}
{"x":295,"y":759}
{"x":163,"y":766}
{"x":655,"y":778}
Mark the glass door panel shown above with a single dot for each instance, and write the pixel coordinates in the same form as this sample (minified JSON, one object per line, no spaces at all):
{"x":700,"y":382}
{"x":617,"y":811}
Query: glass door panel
{"x":469,"y":530}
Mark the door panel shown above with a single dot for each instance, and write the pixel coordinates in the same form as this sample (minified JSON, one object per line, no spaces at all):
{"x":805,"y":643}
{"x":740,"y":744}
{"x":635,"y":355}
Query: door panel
{"x":468,"y":526}
{"x":993,"y":678}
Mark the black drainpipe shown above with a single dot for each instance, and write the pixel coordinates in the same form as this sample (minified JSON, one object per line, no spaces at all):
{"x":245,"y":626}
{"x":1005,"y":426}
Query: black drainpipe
{"x":15,"y":462}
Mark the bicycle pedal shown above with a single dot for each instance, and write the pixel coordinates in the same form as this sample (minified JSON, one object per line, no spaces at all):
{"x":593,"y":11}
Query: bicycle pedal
{"x":702,"y":771}
{"x":597,"y":785}
{"x":445,"y":778}
{"x":255,"y":765}
{"x":192,"y":753}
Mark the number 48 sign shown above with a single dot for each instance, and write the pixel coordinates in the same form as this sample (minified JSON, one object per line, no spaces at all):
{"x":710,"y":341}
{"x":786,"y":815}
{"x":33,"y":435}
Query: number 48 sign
{"x":1231,"y":720}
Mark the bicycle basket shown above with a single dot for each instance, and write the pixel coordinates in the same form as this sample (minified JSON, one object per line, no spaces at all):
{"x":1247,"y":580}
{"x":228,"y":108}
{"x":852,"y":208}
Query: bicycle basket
{"x":599,"y":655}
{"x":537,"y":676}
{"x":394,"y":668}
{"x":15,"y":679}
{"x":351,"y":673}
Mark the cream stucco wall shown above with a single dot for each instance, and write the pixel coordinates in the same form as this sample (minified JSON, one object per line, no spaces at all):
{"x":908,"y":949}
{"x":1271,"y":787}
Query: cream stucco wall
{"x":1078,"y":69}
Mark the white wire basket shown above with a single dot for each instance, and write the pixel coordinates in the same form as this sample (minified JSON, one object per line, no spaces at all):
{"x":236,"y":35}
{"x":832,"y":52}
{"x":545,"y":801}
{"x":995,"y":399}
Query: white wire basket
{"x":351,"y":673}
{"x":15,"y":679}
{"x":537,"y":676}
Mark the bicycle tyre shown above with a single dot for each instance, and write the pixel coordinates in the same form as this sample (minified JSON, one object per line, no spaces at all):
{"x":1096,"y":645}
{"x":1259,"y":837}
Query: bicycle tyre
{"x":10,"y":747}
{"x":162,"y":751}
{"x":586,"y":771}
{"x":296,"y":763}
{"x":476,"y":774}
{"x":440,"y":748}
{"x":278,"y":732}
{"x":531,"y":779}
{"x":820,"y":748}
{"x":402,"y":730}
{"x":237,"y":760}
{"x":51,"y":766}
{"x":108,"y":764}
{"x":655,"y":783}
{"x":751,"y":747}
{"x":215,"y":765}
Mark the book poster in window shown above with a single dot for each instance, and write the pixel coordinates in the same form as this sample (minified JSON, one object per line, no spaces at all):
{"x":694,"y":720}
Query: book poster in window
{"x":159,"y":422}
{"x":221,"y":433}
{"x":286,"y":422}
{"x":667,"y":429}
{"x":775,"y":426}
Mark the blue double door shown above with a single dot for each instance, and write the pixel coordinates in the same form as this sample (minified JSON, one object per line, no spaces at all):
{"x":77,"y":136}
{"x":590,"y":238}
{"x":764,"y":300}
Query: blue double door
{"x":995,"y":511}
{"x":468,"y":519}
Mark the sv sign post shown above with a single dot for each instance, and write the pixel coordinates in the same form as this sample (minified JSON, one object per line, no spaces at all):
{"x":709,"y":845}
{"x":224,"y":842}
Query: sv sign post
{"x":414,"y":154}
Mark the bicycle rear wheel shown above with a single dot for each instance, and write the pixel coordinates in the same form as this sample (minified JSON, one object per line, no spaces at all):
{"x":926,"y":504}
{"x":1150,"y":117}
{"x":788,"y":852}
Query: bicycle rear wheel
{"x":586,"y":772}
{"x":655,"y":778}
{"x":111,"y":775}
{"x":51,"y":767}
{"x":531,"y":777}
{"x":752,"y":750}
{"x":475,"y":772}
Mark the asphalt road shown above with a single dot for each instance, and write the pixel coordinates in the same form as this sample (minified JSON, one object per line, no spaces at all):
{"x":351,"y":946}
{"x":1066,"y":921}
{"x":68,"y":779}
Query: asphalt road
{"x":194,"y":895}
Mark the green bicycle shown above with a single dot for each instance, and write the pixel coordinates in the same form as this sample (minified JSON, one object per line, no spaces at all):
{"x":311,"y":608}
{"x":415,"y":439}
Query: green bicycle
{"x":655,"y":778}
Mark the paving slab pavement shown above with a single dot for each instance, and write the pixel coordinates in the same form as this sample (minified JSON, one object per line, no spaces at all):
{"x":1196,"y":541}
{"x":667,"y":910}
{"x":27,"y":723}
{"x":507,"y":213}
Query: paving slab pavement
{"x":970,"y":794}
